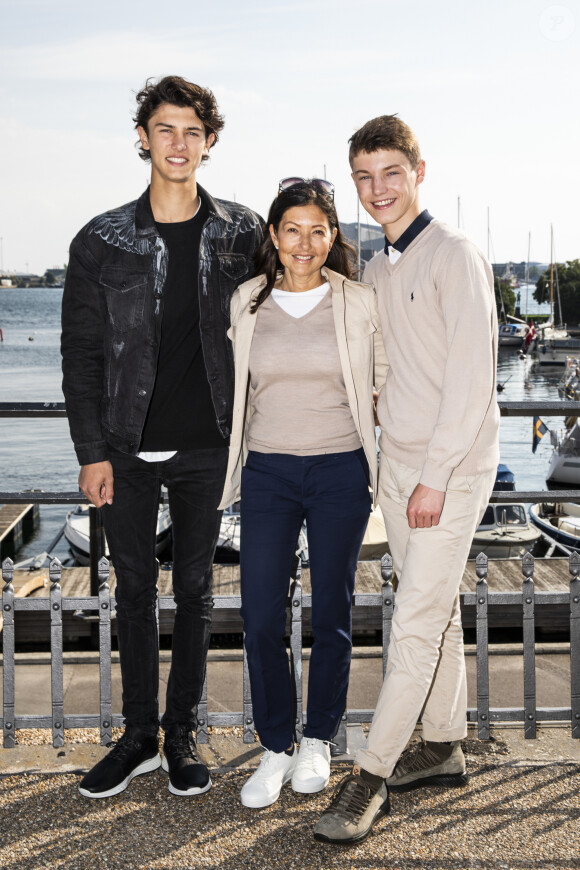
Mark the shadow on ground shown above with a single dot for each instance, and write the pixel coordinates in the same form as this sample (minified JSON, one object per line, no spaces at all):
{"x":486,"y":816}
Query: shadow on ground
{"x":507,"y":817}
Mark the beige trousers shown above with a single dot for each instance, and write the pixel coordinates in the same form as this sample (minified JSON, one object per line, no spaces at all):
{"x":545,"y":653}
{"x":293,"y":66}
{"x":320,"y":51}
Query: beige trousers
{"x":426,"y":666}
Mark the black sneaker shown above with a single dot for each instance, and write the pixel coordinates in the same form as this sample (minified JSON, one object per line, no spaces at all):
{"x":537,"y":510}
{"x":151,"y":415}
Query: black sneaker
{"x":187,"y":774}
{"x":360,"y":800}
{"x":135,"y":753}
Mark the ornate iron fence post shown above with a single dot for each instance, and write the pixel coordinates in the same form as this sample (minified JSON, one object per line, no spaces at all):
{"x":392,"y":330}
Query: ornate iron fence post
{"x":388,"y":599}
{"x":529,"y":632}
{"x":575,"y":643}
{"x":296,"y":649}
{"x":56,"y":654}
{"x":8,"y":664}
{"x":105,"y":690}
{"x":201,"y":734}
{"x":481,"y":622}
{"x":96,"y":547}
{"x":248,"y":711}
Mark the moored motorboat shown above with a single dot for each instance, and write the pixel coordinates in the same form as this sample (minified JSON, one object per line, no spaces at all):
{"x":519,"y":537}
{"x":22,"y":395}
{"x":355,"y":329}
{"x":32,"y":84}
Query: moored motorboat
{"x":77,"y":526}
{"x":228,"y":545}
{"x":565,"y":461}
{"x":504,"y":531}
{"x":559,"y":521}
{"x":552,"y":345}
{"x":569,"y":383}
{"x":513,"y":334}
{"x":552,"y":348}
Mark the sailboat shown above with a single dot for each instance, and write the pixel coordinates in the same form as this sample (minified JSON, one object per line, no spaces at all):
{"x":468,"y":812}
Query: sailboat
{"x":512,"y":330}
{"x":552,"y":345}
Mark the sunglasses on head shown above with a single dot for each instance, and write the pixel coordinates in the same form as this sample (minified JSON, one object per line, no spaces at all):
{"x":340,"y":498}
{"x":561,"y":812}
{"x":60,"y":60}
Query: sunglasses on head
{"x":320,"y":184}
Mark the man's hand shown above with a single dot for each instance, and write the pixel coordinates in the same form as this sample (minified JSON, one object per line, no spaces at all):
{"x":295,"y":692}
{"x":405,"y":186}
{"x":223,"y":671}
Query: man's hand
{"x":96,"y":481}
{"x":424,"y":507}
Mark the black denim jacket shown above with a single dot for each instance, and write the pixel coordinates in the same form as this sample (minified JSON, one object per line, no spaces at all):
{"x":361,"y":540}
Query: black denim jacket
{"x":112,"y":310}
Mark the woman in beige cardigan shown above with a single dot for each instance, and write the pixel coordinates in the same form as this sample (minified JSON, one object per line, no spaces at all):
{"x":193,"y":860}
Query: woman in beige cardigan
{"x":306,"y":345}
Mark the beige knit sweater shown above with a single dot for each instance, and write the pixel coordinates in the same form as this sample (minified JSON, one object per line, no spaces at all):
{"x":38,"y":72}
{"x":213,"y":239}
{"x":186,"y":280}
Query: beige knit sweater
{"x":299,"y":403}
{"x":438,"y":410}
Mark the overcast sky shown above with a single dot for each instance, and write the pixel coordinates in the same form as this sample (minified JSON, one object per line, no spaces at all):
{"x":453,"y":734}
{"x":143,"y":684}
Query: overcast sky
{"x":491,"y":89}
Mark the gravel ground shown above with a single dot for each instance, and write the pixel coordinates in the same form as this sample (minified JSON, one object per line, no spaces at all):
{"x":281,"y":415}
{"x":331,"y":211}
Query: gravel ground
{"x":509,"y":816}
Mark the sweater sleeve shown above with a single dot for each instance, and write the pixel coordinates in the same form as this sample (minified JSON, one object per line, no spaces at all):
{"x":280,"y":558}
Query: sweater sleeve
{"x":464,"y":286}
{"x":381,"y":363}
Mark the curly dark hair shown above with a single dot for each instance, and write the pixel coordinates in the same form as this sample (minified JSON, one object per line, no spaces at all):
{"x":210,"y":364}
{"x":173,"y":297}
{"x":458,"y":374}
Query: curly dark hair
{"x":341,"y":256}
{"x":178,"y":92}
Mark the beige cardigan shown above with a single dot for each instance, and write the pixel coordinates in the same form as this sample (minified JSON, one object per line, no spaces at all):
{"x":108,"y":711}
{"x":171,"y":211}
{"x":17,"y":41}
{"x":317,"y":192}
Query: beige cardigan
{"x":362,"y":356}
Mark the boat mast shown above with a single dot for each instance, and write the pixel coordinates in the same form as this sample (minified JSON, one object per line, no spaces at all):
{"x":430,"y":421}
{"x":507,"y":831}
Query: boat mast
{"x":555,"y":268}
{"x":528,"y":274}
{"x":358,"y":258}
{"x":495,"y":277}
{"x":488,"y":234}
{"x":552,"y":275}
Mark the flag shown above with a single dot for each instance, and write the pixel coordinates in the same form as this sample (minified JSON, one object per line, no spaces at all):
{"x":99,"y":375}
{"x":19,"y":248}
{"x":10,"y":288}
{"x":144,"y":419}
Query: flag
{"x":540,"y":430}
{"x":531,"y":334}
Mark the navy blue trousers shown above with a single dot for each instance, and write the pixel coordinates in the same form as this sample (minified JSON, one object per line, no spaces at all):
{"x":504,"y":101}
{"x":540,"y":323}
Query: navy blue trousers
{"x":330,"y":491}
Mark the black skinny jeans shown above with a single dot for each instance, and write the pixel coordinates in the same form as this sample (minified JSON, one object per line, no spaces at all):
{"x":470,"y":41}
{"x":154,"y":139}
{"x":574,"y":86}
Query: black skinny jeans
{"x":194,"y":480}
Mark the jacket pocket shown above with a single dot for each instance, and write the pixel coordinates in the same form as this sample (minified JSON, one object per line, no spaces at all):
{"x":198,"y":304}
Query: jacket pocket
{"x":358,"y":329}
{"x":125,"y":292}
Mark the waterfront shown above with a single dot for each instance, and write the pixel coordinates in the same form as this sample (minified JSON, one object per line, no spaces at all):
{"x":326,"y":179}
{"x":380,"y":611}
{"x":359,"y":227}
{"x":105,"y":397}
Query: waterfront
{"x":37,"y":454}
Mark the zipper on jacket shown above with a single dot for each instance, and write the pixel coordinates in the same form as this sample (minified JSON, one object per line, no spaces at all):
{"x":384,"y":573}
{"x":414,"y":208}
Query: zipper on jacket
{"x":159,"y":256}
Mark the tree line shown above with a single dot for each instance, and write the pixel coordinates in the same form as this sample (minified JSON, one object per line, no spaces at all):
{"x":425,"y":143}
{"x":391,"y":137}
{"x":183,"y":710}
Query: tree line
{"x":568,"y":281}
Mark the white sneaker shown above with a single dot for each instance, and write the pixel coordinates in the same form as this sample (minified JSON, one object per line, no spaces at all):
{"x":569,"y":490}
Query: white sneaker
{"x":263,"y":787}
{"x":313,"y":768}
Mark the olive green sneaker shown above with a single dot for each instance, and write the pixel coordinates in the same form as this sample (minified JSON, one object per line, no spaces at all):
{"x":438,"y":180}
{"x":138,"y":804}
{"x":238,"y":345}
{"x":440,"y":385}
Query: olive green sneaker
{"x":360,"y":800}
{"x":429,"y":763}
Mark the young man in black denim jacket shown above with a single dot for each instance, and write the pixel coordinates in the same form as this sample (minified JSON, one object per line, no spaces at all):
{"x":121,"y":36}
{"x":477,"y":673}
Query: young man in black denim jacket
{"x":148,"y":384}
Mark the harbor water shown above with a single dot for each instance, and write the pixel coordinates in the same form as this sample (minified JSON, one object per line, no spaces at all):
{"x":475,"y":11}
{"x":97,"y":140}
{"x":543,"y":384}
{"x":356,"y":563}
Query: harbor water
{"x":37,"y":454}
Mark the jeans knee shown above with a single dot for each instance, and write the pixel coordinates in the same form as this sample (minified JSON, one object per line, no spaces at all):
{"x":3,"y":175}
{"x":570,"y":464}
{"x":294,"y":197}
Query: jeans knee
{"x":136,"y":608}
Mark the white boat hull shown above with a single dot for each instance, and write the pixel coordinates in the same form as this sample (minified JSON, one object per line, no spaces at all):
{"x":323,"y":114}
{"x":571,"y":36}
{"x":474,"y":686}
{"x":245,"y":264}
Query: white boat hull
{"x":564,"y":469}
{"x":76,"y":533}
{"x":565,"y":461}
{"x":504,"y":533}
{"x":561,"y":522}
{"x":507,"y":545}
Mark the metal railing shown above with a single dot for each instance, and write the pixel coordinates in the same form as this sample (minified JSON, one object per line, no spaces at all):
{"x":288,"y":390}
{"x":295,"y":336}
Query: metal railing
{"x":102,"y":602}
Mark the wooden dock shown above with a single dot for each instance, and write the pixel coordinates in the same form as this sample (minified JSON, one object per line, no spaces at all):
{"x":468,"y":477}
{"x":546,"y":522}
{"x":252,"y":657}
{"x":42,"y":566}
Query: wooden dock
{"x":16,"y":522}
{"x":504,"y":576}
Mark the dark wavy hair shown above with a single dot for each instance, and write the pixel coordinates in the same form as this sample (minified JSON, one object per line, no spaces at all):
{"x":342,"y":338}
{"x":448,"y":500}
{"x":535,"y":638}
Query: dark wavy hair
{"x":178,"y":92}
{"x":341,"y":256}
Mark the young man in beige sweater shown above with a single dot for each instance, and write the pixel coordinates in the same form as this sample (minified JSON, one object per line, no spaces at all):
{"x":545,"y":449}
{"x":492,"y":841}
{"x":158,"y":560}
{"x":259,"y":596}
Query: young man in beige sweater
{"x":439,"y":452}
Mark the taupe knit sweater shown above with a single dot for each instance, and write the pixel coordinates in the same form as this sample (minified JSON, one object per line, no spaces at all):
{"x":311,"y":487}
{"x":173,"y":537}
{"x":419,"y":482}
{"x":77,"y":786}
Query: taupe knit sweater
{"x":299,"y":400}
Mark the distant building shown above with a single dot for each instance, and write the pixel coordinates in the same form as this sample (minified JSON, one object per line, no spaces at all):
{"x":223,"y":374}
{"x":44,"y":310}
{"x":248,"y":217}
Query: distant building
{"x":27,"y":279}
{"x":518,"y":270}
{"x":372,"y":239}
{"x":58,"y":275}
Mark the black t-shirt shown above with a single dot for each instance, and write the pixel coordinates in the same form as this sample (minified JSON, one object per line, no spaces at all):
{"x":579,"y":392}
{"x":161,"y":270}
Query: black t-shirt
{"x":181,"y":414}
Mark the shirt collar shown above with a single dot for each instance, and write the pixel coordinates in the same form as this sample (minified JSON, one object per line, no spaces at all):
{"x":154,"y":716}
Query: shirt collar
{"x":411,"y":233}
